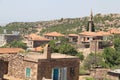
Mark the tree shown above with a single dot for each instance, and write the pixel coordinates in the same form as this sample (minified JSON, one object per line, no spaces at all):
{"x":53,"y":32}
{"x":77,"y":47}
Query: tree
{"x":65,"y":48}
{"x":94,"y":60}
{"x":16,"y":44}
{"x":53,"y":46}
{"x":90,"y":23}
{"x":80,"y":55}
{"x":117,"y":44}
{"x":111,"y":57}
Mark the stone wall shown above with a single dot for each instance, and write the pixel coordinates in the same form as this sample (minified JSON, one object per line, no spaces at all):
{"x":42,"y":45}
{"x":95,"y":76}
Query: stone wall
{"x":94,"y":46}
{"x":17,"y":67}
{"x":99,"y":73}
{"x":3,"y":68}
{"x":113,"y":76}
{"x":45,"y":68}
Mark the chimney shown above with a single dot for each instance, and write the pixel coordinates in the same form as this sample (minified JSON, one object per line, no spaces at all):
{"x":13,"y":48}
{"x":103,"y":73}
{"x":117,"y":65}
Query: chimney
{"x":47,"y":51}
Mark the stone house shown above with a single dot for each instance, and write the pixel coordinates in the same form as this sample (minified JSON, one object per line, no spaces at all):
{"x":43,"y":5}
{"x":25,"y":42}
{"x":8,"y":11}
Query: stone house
{"x":5,"y":55}
{"x":114,"y":75}
{"x":73,"y":38}
{"x":53,"y":35}
{"x":7,"y":38}
{"x":114,"y":31}
{"x":36,"y":66}
{"x":34,"y":41}
{"x":93,"y":40}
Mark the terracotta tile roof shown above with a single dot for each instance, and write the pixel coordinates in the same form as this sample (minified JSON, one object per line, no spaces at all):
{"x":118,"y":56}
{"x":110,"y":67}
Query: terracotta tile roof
{"x":100,"y":33}
{"x":76,"y":35}
{"x":88,"y":33}
{"x":10,"y":50}
{"x":53,"y":34}
{"x":37,"y":49}
{"x":114,"y":31}
{"x":36,"y":37}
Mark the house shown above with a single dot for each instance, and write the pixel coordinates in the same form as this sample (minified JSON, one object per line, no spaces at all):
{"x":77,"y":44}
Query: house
{"x":7,"y":38}
{"x":5,"y":54}
{"x":73,"y":38}
{"x":114,"y":74}
{"x":34,"y":41}
{"x":53,"y":35}
{"x":93,"y":39}
{"x":114,"y":31}
{"x":37,"y":66}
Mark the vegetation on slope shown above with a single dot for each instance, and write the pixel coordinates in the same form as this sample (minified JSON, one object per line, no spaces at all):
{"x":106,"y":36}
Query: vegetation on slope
{"x":69,"y":25}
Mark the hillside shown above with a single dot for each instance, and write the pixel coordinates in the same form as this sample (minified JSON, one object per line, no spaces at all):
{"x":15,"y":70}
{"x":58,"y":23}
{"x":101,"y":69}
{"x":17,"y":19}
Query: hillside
{"x":65,"y":26}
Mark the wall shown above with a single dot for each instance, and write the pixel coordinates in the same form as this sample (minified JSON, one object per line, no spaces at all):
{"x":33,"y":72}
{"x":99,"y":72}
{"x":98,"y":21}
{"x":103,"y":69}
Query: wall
{"x":39,"y":43}
{"x":17,"y":67}
{"x":113,"y":76}
{"x":3,"y":68}
{"x":10,"y":38}
{"x":45,"y":68}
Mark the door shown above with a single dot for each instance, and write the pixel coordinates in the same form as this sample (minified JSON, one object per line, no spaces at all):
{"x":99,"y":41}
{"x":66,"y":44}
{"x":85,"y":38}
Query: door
{"x":56,"y":74}
{"x":63,"y":73}
{"x":59,"y":74}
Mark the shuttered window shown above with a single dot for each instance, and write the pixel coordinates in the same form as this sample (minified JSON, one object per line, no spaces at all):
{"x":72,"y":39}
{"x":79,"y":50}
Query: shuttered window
{"x":28,"y":72}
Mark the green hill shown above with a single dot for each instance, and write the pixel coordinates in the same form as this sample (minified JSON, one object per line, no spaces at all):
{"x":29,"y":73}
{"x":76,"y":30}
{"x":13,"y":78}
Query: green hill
{"x":65,"y":26}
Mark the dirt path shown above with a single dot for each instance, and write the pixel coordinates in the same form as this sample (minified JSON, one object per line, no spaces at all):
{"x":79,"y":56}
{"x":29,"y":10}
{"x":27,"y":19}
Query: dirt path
{"x":12,"y":78}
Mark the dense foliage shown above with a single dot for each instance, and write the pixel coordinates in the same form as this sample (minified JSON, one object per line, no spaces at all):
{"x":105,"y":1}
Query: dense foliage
{"x":64,"y":48}
{"x":112,"y":55}
{"x":22,"y":27}
{"x":117,"y":44}
{"x":94,"y":60}
{"x":16,"y":44}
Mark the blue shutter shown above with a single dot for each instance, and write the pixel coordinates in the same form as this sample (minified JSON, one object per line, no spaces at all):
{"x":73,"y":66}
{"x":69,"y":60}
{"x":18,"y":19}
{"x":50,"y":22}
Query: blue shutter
{"x":28,"y":72}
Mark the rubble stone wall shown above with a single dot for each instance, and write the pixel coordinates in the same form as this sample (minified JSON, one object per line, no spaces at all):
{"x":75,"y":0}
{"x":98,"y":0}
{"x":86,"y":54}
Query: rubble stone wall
{"x":17,"y":68}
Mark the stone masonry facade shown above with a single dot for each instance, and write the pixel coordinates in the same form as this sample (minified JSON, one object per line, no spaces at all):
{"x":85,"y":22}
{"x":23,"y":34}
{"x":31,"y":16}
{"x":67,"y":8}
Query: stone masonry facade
{"x":45,"y":68}
{"x":42,"y":68}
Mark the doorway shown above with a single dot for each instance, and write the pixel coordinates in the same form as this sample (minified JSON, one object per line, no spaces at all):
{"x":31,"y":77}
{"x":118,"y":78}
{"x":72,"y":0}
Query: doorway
{"x":59,"y":73}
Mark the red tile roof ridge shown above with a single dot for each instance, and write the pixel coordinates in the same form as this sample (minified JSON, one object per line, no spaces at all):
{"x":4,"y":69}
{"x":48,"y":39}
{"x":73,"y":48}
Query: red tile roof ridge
{"x":99,"y":33}
{"x":37,"y":37}
{"x":10,"y":50}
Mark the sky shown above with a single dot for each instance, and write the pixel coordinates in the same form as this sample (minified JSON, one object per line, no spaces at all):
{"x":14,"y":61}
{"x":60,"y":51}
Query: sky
{"x":42,"y":10}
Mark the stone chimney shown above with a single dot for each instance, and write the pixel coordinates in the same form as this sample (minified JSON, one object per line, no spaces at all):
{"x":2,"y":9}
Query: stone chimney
{"x":47,"y":51}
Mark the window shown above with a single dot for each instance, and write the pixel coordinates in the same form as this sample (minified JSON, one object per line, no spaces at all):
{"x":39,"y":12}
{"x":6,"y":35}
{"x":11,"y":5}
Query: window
{"x":72,"y":71}
{"x":28,"y":72}
{"x":88,"y":38}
